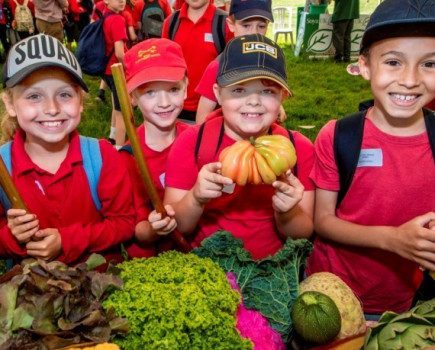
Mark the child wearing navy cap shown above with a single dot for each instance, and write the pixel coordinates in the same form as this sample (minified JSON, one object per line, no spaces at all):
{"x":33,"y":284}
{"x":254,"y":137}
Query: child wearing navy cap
{"x":79,"y":198}
{"x":251,"y":85}
{"x":379,"y":235}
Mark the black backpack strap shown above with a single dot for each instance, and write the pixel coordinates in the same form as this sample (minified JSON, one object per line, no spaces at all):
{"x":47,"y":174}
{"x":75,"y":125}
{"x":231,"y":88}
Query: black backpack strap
{"x":429,"y":119}
{"x":348,"y":137}
{"x":174,"y":22}
{"x":218,"y":29}
{"x":292,"y":139}
{"x":213,"y":130}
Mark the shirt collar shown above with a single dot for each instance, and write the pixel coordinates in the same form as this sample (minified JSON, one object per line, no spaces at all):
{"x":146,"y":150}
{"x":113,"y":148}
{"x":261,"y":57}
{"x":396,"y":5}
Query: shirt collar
{"x":23,"y":163}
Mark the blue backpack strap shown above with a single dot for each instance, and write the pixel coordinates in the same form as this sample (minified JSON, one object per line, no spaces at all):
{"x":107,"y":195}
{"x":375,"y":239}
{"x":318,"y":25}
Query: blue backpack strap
{"x":348,"y":137}
{"x":5,"y":152}
{"x":92,"y":163}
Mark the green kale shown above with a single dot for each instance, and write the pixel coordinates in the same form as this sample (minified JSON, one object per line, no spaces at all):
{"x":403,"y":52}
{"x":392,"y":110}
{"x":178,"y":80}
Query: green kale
{"x":177,"y":301}
{"x":270,"y":285}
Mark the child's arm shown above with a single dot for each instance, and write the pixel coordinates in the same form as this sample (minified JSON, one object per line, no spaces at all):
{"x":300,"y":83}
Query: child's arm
{"x":119,"y":50}
{"x":412,"y":240}
{"x":148,"y":231}
{"x":293,"y":208}
{"x":189,"y":205}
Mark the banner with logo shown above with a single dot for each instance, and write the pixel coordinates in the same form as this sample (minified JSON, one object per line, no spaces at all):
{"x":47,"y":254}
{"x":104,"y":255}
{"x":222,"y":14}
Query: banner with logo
{"x":317,"y":35}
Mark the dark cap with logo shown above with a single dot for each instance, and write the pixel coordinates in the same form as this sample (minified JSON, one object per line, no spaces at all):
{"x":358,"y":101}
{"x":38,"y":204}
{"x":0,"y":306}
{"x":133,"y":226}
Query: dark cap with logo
{"x":36,"y":52}
{"x":400,"y":18}
{"x":250,"y":57}
{"x":244,"y":9}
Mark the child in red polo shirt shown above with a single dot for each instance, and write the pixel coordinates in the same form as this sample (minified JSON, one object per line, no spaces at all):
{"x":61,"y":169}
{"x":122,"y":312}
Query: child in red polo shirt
{"x":194,"y":34}
{"x":115,"y":34}
{"x":245,"y":17}
{"x":252,"y":85}
{"x":156,"y":79}
{"x":43,"y":94}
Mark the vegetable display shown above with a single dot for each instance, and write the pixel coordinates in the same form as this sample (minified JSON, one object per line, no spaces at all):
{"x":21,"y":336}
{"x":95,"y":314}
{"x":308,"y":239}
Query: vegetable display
{"x":414,"y":329}
{"x":50,"y":305}
{"x":352,"y":316}
{"x":177,"y":301}
{"x":259,"y":161}
{"x":316,"y":317}
{"x":270,"y":285}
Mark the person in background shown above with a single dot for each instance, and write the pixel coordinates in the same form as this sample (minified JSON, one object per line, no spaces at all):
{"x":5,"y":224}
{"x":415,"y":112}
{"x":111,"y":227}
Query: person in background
{"x":251,"y":85}
{"x":43,"y":96}
{"x":31,"y":6}
{"x":245,"y":17}
{"x":383,"y":232}
{"x":49,"y":15}
{"x":3,"y":30}
{"x":194,"y":34}
{"x":156,"y":80}
{"x":345,"y":12}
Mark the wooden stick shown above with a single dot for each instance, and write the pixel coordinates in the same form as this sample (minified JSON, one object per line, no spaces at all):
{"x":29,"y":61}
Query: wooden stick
{"x":128,"y":116}
{"x":10,"y":189}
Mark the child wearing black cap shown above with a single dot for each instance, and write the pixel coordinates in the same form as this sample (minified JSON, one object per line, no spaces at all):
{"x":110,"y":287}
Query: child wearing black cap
{"x":382,"y":233}
{"x":251,"y":84}
{"x":245,"y":17}
{"x":79,"y":198}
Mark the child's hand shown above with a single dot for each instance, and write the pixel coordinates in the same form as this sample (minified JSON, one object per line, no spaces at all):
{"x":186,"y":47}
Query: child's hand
{"x":163,"y":226}
{"x":209,"y":183}
{"x":288,"y":193}
{"x":416,"y":242}
{"x":22,"y":225}
{"x":49,"y":247}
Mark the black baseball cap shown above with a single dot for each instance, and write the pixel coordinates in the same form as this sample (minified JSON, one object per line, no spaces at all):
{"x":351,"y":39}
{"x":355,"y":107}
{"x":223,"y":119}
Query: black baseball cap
{"x":36,"y":52}
{"x":400,"y":18}
{"x":244,"y":9}
{"x":250,"y":57}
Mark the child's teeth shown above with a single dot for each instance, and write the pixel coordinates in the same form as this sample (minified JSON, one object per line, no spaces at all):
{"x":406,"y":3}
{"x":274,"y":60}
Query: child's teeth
{"x":52,"y":124}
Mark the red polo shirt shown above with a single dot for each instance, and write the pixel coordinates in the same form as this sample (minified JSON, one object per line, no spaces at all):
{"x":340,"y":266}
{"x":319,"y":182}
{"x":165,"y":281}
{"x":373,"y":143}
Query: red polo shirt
{"x":63,"y":200}
{"x":196,"y":41}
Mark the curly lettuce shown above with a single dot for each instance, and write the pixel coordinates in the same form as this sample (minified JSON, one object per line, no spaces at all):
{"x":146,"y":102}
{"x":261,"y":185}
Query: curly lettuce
{"x":177,"y":301}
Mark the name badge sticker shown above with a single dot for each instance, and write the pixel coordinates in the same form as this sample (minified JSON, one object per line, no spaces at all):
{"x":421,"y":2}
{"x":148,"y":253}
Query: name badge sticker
{"x":208,"y":37}
{"x":229,"y":188}
{"x":370,"y":157}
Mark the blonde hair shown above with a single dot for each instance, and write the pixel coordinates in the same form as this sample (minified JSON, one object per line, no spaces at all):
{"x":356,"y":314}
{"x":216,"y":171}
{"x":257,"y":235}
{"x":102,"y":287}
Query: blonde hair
{"x":8,"y":125}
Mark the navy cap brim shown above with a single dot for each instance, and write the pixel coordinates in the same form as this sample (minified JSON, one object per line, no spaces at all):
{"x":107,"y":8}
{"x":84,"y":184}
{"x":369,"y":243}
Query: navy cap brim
{"x":24,"y":72}
{"x":239,"y":76}
{"x":253,"y":13}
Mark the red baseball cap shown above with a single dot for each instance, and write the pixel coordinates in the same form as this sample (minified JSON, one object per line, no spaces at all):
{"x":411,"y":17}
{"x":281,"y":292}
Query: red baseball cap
{"x":154,"y":60}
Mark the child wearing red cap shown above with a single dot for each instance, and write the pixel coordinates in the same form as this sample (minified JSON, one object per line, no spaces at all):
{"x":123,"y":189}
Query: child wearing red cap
{"x":379,"y":235}
{"x":251,"y":85}
{"x":79,"y":198}
{"x":156,"y":79}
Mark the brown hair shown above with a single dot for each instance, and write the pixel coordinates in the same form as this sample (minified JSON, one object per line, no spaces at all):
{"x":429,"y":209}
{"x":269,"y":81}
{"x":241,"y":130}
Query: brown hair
{"x":8,"y":125}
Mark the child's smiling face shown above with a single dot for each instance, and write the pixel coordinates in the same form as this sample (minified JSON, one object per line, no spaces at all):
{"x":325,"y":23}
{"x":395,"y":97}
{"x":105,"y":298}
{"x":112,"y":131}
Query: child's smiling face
{"x":47,"y":104}
{"x":249,"y":108}
{"x":402,"y":75}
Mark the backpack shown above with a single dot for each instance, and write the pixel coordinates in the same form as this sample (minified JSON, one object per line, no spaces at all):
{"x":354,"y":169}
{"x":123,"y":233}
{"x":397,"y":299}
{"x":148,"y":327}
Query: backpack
{"x":91,"y":47}
{"x":152,"y":19}
{"x":92,"y":163}
{"x":348,"y":138}
{"x":218,"y":27}
{"x":213,"y":132}
{"x":23,"y":17}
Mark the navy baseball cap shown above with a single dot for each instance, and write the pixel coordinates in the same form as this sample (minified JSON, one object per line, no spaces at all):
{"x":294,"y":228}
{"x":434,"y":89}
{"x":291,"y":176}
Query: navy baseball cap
{"x":244,"y":9}
{"x":250,"y":57}
{"x":400,"y":18}
{"x":36,"y":52}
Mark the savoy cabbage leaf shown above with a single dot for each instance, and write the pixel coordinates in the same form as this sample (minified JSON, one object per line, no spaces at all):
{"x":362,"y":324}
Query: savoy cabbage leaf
{"x":270,"y":285}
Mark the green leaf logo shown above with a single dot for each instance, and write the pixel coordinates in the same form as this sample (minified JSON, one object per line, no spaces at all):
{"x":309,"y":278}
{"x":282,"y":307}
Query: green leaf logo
{"x":320,"y":40}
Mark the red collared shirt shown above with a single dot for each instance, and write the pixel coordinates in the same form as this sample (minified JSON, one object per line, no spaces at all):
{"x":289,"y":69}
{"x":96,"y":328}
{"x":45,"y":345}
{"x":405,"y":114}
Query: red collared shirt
{"x":63,"y":200}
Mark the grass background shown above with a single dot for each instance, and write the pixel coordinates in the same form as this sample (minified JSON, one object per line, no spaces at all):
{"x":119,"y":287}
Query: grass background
{"x":322,"y":89}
